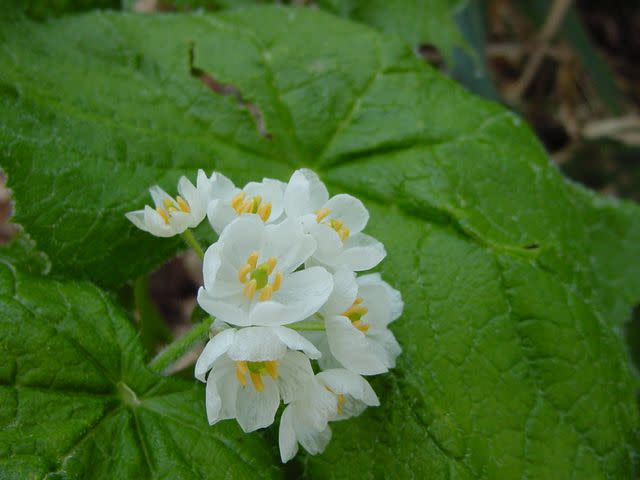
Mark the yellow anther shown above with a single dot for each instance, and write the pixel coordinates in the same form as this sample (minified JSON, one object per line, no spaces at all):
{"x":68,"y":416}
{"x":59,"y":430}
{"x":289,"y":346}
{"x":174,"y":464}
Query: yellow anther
{"x":341,"y":402}
{"x":336,"y":224}
{"x":250,"y":288}
{"x":241,"y":370}
{"x":264,"y":211}
{"x":363,"y":327}
{"x":272,"y":368}
{"x":266,"y":293}
{"x":357,"y":301}
{"x":237,"y":201}
{"x":245,"y":208}
{"x":184,"y":206}
{"x":242,"y":274}
{"x":253,"y":259}
{"x":255,"y":203}
{"x":343,"y":233}
{"x":256,"y":379}
{"x":172,"y":209}
{"x":271,"y":264}
{"x":321,"y":214}
{"x":277,"y":281}
{"x":163,"y":214}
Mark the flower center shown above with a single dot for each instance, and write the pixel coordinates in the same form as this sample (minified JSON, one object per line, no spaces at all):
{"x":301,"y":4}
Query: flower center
{"x":172,"y":206}
{"x":355,"y":313}
{"x":255,"y":277}
{"x":255,"y":370}
{"x":337,"y":225}
{"x":241,"y":205}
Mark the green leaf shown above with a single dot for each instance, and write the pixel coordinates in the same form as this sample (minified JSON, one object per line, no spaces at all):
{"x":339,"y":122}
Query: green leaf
{"x":78,"y":402}
{"x":41,"y":9}
{"x":416,"y":21}
{"x":516,"y":282}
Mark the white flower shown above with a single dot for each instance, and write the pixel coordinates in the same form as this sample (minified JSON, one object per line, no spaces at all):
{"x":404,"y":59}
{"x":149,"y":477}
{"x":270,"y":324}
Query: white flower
{"x":227,"y":202}
{"x":356,"y":317}
{"x":253,"y":344}
{"x":172,"y":216}
{"x":250,"y":391}
{"x":332,"y":395}
{"x":250,"y":275}
{"x":336,"y":223}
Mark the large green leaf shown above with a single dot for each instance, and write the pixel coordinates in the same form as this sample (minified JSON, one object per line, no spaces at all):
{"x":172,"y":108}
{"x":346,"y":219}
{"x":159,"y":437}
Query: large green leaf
{"x":77,"y":401}
{"x":516,"y":281}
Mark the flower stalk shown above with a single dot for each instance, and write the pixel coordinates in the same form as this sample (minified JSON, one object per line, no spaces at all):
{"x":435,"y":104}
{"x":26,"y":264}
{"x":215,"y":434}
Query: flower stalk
{"x":180,"y":346}
{"x":190,"y":240}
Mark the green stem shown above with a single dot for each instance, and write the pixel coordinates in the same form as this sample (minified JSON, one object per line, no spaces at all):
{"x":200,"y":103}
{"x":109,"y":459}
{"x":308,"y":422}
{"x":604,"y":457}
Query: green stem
{"x":180,"y":346}
{"x":308,"y":326}
{"x":193,"y":243}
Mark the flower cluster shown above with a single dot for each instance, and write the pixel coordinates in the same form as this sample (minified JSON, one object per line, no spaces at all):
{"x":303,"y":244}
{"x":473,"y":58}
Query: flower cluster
{"x":281,"y":283}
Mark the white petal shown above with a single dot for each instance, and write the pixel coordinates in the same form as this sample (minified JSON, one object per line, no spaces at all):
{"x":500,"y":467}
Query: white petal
{"x":137,"y":218}
{"x":271,"y":191}
{"x":294,"y":341}
{"x":302,"y":294}
{"x":220,"y":278}
{"x":385,"y":338}
{"x":344,"y":293}
{"x":221,"y":391}
{"x":159,"y":196}
{"x":344,"y":382}
{"x":352,"y":349}
{"x":195,"y":199}
{"x":361,"y":252}
{"x":180,"y":221}
{"x":220,"y":215}
{"x":211,"y":264}
{"x":289,"y":244}
{"x":224,"y":310}
{"x":242,"y":237}
{"x":313,"y":441}
{"x":155,"y":223}
{"x":216,"y":347}
{"x":257,"y":409}
{"x":221,"y":188}
{"x":350,"y":210}
{"x":257,"y":344}
{"x":329,"y":243}
{"x":304,"y":194}
{"x":384,"y":302}
{"x":287,"y":440}
{"x":294,"y":371}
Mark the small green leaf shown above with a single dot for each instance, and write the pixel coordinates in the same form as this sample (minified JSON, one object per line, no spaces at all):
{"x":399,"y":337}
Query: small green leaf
{"x":76,"y":400}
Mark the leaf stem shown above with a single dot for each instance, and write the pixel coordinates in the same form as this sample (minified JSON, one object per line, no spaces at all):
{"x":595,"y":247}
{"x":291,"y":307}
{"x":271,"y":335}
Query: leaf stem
{"x":180,"y":346}
{"x":308,"y":326}
{"x":190,"y":240}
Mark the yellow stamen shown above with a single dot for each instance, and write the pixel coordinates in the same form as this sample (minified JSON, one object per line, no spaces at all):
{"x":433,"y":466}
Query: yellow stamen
{"x":363,"y":327}
{"x":245,"y":208}
{"x":256,"y":379}
{"x":271,"y":264}
{"x":341,"y":401}
{"x":241,"y":370}
{"x":237,"y":201}
{"x":172,"y":209}
{"x":184,"y":206}
{"x":277,"y":281}
{"x":272,"y":368}
{"x":266,"y":293}
{"x":264,"y":211}
{"x":168,"y":203}
{"x":255,"y":203}
{"x":343,"y":233}
{"x":321,"y":214}
{"x":242,"y":274}
{"x":253,"y":259}
{"x":250,"y":288}
{"x":357,"y":301}
{"x":163,"y":214}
